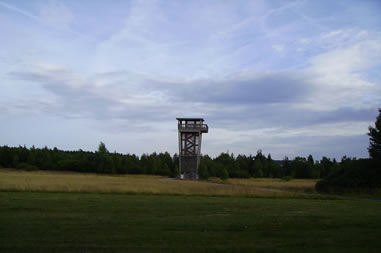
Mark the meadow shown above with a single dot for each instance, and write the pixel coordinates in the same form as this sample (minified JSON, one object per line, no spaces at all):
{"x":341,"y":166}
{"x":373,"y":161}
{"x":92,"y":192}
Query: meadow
{"x":48,"y":181}
{"x":71,"y":212}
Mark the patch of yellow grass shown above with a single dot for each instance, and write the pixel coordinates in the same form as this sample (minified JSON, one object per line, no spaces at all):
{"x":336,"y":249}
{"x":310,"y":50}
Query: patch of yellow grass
{"x":14,"y":180}
{"x":297,"y":185}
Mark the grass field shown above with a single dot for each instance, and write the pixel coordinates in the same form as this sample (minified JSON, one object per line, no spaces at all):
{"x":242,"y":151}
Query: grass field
{"x":80,"y":222}
{"x":43,"y":181}
{"x":294,"y":185}
{"x":72,"y":212}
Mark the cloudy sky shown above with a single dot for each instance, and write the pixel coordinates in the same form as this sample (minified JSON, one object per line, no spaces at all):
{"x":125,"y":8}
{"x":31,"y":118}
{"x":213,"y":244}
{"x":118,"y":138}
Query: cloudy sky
{"x":288,"y":77}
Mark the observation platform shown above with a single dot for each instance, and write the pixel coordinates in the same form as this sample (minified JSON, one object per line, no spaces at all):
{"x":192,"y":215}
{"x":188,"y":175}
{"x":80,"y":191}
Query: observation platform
{"x":192,"y":125}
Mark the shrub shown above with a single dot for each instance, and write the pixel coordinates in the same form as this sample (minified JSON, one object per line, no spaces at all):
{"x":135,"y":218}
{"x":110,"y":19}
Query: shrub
{"x":163,"y":171}
{"x":70,"y":165}
{"x":286,"y":178}
{"x":203,"y":172}
{"x":224,"y":174}
{"x":351,"y":179}
{"x":26,"y":166}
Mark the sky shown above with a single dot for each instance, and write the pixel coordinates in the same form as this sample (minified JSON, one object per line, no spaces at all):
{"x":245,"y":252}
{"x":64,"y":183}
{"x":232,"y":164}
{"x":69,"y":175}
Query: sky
{"x":290,"y":78}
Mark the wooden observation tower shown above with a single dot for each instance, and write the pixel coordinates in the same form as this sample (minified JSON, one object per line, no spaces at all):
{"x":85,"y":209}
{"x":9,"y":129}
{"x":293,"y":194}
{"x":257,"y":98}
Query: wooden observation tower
{"x":190,"y":136}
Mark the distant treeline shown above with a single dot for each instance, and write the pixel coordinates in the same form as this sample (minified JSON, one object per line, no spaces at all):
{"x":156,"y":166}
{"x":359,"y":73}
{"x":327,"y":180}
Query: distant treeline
{"x":223,"y":166}
{"x":101,"y":161}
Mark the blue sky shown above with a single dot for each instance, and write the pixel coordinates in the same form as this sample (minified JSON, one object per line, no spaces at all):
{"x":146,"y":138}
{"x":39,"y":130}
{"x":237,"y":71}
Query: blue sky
{"x":288,"y":77}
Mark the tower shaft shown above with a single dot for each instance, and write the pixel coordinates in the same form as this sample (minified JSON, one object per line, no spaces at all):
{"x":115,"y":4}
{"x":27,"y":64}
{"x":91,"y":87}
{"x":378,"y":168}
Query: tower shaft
{"x":190,"y":136}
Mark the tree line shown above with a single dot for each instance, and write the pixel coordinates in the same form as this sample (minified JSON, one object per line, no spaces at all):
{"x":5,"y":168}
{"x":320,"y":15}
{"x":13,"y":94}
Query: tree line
{"x":227,"y":165}
{"x":223,"y":166}
{"x":101,"y":161}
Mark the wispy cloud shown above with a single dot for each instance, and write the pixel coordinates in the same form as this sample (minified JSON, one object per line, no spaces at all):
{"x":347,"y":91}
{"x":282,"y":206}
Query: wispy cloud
{"x":53,"y":14}
{"x":265,"y":75}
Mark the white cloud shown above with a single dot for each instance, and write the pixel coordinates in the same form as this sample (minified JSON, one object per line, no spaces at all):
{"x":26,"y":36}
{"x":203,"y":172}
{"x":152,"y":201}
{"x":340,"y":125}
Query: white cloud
{"x":341,"y":75}
{"x":349,"y":59}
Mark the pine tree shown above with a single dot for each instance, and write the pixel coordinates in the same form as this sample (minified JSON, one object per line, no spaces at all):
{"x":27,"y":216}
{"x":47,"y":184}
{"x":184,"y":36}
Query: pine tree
{"x":102,"y":148}
{"x":375,"y":139}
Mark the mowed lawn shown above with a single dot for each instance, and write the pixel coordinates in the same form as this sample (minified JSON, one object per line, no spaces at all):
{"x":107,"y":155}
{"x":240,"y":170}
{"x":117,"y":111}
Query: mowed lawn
{"x":85,"y":222}
{"x":39,"y":214}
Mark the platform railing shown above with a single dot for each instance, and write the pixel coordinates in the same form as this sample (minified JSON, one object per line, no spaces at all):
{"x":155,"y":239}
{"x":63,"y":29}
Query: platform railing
{"x":200,"y":127}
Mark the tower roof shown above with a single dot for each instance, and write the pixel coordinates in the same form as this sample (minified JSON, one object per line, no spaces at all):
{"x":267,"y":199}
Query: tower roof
{"x":190,"y":119}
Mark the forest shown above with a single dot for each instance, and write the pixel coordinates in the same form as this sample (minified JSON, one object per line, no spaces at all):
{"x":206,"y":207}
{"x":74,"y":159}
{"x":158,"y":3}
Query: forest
{"x":223,"y":166}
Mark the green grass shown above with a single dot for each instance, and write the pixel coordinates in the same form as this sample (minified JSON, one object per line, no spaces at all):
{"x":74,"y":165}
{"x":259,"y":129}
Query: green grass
{"x":90,"y":222}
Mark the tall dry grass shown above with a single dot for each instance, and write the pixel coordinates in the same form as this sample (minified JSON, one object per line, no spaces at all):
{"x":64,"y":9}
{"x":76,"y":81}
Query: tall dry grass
{"x":294,"y":185}
{"x":14,"y":180}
